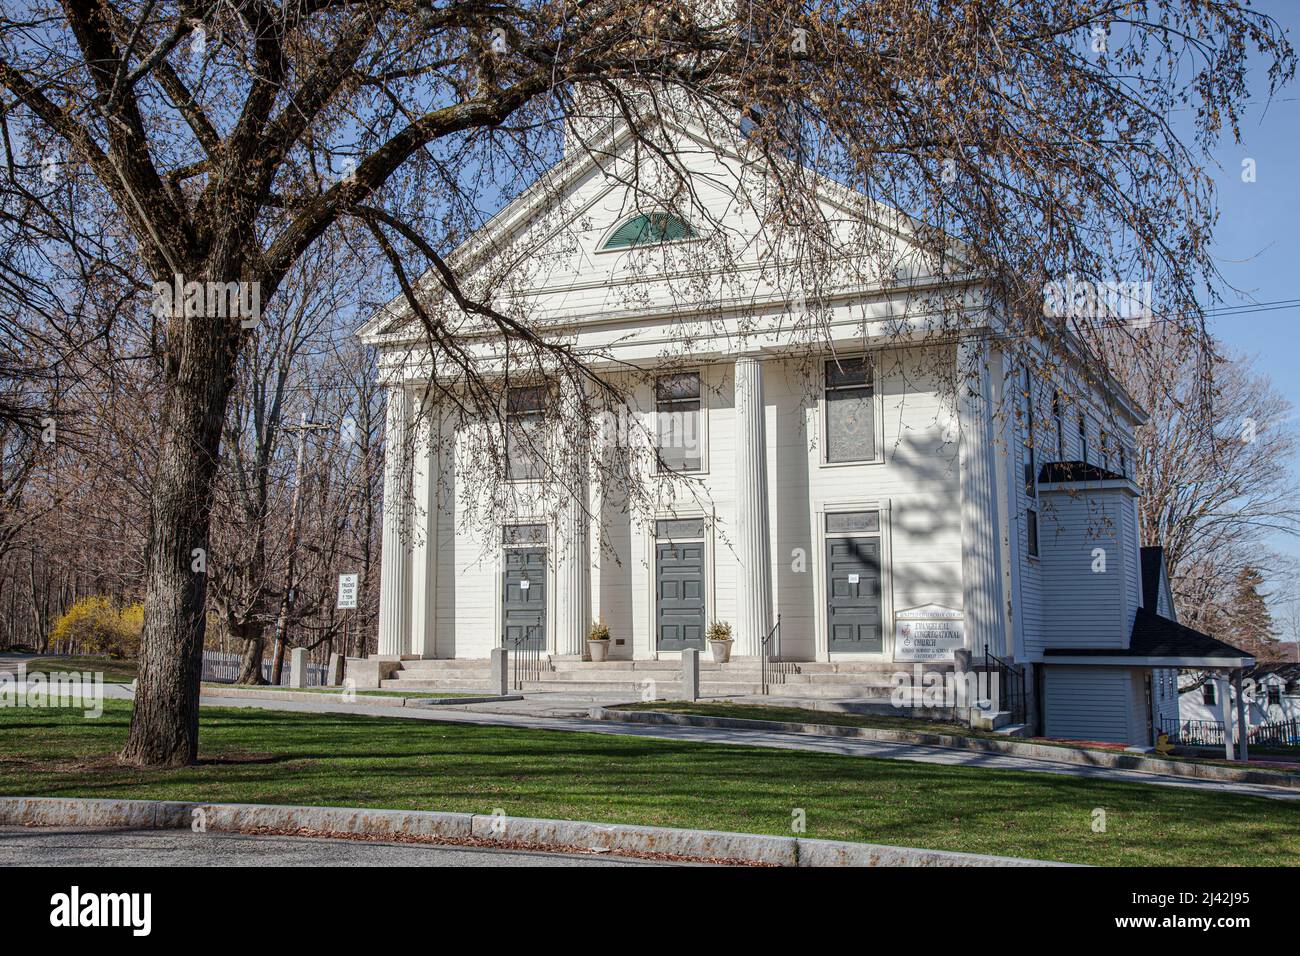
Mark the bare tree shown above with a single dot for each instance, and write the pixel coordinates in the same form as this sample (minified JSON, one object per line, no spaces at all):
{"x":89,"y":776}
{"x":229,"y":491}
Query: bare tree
{"x":1217,"y":477}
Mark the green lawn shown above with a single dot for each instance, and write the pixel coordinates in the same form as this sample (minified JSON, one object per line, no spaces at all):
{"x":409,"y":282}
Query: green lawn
{"x":115,"y":672}
{"x":341,"y":760}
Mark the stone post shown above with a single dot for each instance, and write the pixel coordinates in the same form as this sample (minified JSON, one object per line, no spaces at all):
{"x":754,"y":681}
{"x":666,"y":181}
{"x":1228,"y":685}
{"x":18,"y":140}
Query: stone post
{"x":298,"y":667}
{"x":690,"y":674}
{"x":334,"y":673}
{"x":500,"y":671}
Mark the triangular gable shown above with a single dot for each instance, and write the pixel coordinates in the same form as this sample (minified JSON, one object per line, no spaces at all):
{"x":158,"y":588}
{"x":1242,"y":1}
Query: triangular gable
{"x":587,"y":167}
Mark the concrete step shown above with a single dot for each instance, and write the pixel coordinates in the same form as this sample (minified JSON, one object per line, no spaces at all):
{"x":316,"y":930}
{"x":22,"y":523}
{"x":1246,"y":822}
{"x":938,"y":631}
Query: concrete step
{"x":712,"y":688}
{"x":869,"y":691}
{"x":614,"y":676}
{"x":443,"y":675}
{"x":633,"y":690}
{"x":588,"y":666}
{"x":833,"y":685}
{"x":433,"y":683}
{"x":437,"y":665}
{"x":867,"y":706}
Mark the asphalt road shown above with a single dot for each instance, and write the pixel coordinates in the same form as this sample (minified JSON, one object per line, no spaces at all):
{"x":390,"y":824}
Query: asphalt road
{"x":59,"y":846}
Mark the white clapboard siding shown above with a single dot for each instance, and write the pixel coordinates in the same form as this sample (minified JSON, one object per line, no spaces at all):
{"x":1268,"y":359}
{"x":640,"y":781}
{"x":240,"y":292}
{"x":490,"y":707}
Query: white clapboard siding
{"x":1086,"y":607}
{"x":1089,"y":703}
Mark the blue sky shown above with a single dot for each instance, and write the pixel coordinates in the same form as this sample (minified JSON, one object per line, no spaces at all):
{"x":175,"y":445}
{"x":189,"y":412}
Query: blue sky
{"x":1257,"y":240}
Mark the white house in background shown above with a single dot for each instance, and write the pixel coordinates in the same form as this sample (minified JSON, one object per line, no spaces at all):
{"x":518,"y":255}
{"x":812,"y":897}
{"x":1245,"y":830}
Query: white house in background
{"x":844,"y":494}
{"x":1272,"y":694}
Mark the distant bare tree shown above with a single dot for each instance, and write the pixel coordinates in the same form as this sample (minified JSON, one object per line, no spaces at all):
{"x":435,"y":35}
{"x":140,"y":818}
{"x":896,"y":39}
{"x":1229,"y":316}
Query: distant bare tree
{"x":1217,"y":477}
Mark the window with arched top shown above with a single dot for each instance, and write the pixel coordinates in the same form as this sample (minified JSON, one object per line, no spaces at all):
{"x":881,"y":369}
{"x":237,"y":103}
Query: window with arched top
{"x":646,"y":228}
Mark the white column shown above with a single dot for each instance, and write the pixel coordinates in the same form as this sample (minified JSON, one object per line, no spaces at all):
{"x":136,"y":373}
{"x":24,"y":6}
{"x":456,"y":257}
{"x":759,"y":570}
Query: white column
{"x":425,"y":449}
{"x":1225,"y":710}
{"x":1243,"y":730}
{"x":753,"y":553}
{"x":394,"y":556}
{"x":981,"y":565}
{"x":572,"y":558}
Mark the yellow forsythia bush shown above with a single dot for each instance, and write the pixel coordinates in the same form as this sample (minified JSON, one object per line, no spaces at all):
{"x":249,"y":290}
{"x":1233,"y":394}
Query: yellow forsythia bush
{"x":95,"y":625}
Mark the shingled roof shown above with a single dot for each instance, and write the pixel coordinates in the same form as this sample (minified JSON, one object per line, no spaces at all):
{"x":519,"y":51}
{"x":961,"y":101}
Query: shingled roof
{"x":1153,"y":562}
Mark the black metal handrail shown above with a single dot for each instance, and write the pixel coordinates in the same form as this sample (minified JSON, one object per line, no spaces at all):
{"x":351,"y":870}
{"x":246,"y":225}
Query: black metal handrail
{"x":1010,"y":683}
{"x":773,"y":671}
{"x":526,"y":662}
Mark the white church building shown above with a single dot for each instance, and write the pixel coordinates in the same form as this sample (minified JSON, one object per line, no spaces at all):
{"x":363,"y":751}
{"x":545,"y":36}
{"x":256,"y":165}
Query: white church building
{"x":830,"y":482}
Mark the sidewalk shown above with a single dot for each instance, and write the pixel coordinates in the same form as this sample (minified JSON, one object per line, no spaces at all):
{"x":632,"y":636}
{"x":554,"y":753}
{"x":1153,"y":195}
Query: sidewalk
{"x":560,"y":712}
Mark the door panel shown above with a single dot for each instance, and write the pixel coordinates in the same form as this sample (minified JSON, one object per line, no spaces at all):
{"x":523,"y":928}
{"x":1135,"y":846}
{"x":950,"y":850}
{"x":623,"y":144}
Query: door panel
{"x":524,"y":605}
{"x":853,"y":595}
{"x":679,"y":597}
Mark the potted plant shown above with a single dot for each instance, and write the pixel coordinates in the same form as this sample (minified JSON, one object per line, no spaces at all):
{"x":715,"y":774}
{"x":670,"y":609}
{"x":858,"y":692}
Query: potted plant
{"x":598,"y":641}
{"x":719,"y":635}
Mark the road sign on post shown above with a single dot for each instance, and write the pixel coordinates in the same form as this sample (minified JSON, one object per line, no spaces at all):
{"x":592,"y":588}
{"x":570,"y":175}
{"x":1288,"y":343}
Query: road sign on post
{"x":347,"y":591}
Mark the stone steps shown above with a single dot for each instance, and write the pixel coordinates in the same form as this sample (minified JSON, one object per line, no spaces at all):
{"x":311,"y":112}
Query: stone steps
{"x":437,"y":683}
{"x":438,"y":665}
{"x":868,"y":682}
{"x":842,"y":683}
{"x":633,"y":689}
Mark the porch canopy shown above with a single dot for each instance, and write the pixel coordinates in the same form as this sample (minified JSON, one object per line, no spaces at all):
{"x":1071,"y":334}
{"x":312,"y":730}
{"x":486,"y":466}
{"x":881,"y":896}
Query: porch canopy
{"x":1158,"y":642}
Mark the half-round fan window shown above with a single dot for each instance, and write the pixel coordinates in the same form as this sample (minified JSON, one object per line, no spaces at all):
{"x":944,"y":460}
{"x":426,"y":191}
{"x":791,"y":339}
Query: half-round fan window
{"x":649,"y":228}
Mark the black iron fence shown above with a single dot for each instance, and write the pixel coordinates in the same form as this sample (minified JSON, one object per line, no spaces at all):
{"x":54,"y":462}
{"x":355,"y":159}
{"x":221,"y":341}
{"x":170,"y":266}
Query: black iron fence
{"x":525,"y":662}
{"x":1209,"y":733}
{"x":1193,"y":733}
{"x":1275,"y":733}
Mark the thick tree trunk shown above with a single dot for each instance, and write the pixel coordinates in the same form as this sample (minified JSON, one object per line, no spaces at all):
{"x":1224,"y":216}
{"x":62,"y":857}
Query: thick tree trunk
{"x":250,"y":668}
{"x":199,"y":376}
{"x":277,"y":663}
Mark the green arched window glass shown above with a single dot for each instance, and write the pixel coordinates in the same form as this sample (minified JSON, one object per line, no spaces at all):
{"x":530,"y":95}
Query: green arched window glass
{"x":649,"y":227}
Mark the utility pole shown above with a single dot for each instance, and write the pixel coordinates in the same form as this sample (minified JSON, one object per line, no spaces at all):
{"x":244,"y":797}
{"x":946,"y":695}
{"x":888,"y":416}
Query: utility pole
{"x":295,"y":511}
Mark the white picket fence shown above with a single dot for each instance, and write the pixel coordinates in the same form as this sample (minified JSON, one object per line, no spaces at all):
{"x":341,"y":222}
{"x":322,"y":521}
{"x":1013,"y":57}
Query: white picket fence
{"x":224,"y":668}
